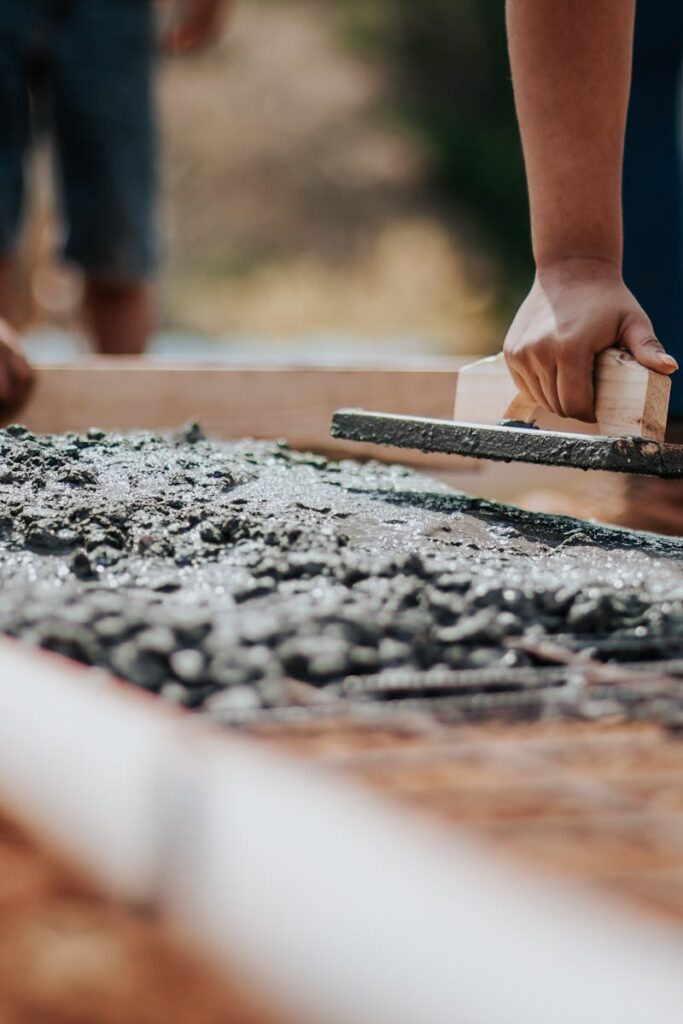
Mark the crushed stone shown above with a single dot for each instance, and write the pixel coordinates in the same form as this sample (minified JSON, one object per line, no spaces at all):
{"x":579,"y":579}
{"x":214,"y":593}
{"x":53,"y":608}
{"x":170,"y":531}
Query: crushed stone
{"x":246,"y":579}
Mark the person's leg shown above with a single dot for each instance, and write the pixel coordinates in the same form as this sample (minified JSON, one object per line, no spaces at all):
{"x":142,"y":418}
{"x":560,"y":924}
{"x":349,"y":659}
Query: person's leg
{"x":8,"y":289}
{"x":653,"y":177}
{"x":653,"y":241}
{"x":16,"y":377}
{"x":105,"y":134}
{"x":14,"y":134}
{"x":118,"y":315}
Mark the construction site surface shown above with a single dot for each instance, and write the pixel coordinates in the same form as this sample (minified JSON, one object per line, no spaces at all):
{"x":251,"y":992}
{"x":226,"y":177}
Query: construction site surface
{"x":517,"y":675}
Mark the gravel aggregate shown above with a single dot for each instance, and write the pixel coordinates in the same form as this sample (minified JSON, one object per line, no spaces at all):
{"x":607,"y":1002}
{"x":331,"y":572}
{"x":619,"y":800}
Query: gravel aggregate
{"x":218,"y":573}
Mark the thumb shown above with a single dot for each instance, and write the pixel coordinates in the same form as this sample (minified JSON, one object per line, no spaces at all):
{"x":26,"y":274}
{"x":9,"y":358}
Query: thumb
{"x":639,"y":339}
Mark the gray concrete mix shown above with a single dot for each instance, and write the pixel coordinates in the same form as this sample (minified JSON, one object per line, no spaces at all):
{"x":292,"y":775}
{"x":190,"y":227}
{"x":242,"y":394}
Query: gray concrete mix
{"x":249,"y":580}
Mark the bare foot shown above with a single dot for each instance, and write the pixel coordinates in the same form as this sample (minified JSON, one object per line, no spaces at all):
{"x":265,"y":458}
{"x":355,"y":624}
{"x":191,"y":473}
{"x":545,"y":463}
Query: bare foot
{"x":199,"y":24}
{"x":16,"y":375}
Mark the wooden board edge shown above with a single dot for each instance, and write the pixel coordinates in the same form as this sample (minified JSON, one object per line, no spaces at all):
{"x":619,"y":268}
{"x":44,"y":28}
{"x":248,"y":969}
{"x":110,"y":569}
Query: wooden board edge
{"x":260,"y":402}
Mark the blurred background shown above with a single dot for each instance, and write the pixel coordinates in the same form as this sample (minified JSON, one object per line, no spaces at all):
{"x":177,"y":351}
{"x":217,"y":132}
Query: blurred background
{"x":340,"y":177}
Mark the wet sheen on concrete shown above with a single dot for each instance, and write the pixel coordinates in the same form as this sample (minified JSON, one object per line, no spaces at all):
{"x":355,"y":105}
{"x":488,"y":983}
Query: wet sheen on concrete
{"x":247,"y":579}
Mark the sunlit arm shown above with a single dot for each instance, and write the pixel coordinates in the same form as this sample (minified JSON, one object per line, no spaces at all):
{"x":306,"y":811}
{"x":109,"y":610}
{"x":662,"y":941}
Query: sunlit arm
{"x":571,"y":68}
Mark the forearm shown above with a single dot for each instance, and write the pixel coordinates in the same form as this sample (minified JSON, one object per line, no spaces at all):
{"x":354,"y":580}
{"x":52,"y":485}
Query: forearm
{"x":571,"y":67}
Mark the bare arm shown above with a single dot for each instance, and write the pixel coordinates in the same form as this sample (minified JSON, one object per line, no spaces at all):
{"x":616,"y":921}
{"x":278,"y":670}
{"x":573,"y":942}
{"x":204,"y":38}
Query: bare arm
{"x":571,"y":66}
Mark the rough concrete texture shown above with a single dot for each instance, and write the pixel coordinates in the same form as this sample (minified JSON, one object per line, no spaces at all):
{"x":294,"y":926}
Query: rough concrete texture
{"x":251,"y":580}
{"x":512,"y":441}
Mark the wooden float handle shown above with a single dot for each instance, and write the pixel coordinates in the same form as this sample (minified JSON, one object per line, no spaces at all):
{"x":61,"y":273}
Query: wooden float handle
{"x":630,"y":400}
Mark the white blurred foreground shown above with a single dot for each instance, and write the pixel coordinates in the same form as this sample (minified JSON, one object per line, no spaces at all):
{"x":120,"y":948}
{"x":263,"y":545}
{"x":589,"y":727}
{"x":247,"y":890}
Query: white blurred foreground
{"x":343,"y":908}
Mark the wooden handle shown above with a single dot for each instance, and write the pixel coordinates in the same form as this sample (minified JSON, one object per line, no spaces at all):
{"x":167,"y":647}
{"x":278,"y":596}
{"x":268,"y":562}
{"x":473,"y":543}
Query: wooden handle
{"x":521,"y":408}
{"x":629,"y":399}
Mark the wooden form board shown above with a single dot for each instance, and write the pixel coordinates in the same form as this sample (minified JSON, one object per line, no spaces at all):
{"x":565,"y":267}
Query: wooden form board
{"x":232,"y":402}
{"x":630,"y":400}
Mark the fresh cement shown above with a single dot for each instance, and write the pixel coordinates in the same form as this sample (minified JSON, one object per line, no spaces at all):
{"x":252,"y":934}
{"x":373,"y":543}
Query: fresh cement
{"x":250,"y":581}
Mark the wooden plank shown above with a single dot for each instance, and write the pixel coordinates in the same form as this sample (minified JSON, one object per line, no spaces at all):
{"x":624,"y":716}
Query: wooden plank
{"x":230,"y":402}
{"x":113,"y":782}
{"x":630,"y":400}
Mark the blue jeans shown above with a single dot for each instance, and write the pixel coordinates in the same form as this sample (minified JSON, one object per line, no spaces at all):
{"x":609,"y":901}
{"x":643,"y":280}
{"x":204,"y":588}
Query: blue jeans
{"x":653,"y":207}
{"x":83,"y":71}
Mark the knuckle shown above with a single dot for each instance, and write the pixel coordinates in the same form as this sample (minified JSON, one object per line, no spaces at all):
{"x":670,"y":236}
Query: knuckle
{"x":545,"y":347}
{"x":567,"y":350}
{"x":513,"y":353}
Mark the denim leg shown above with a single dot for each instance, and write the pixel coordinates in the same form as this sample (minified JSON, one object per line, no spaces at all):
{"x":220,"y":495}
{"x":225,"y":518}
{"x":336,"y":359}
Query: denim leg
{"x":105,"y":134}
{"x":653,"y":202}
{"x":15,"y":22}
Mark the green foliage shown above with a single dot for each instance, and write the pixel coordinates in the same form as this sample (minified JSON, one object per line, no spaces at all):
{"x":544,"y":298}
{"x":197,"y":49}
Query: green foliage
{"x":449,"y":62}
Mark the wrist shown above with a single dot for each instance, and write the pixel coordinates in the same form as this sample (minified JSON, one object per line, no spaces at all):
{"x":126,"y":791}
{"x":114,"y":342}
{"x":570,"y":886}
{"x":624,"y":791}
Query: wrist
{"x":578,"y":268}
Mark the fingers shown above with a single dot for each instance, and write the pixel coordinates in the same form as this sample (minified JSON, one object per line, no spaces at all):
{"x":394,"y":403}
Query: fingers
{"x":546,"y":373}
{"x":526,"y":382}
{"x":575,"y":388}
{"x":559,"y":329}
{"x":535,"y":373}
{"x":557,"y":378}
{"x":639,"y":338}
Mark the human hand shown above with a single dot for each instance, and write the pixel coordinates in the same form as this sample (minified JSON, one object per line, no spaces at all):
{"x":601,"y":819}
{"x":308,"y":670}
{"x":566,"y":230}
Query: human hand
{"x":197,"y":24}
{"x":575,"y":310}
{"x":16,"y":375}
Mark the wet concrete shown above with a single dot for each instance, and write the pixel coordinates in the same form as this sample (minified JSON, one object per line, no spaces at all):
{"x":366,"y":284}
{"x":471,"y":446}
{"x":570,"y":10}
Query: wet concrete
{"x":512,"y":441}
{"x":247,"y":580}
